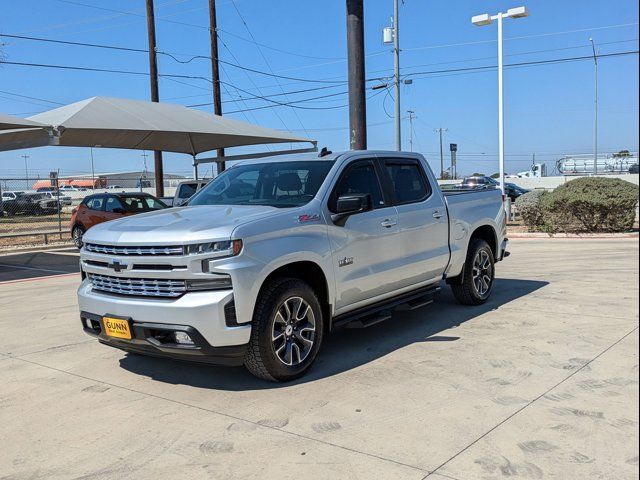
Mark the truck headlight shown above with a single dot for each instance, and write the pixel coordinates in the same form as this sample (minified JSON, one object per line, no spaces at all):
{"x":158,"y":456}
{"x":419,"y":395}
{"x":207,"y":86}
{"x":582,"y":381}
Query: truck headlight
{"x":227,"y":248}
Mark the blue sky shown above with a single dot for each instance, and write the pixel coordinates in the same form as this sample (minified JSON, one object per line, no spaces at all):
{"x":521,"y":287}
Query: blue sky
{"x":549,"y":108}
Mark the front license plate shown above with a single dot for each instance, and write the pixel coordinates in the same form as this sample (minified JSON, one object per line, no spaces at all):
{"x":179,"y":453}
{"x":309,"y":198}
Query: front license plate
{"x":116,"y":327}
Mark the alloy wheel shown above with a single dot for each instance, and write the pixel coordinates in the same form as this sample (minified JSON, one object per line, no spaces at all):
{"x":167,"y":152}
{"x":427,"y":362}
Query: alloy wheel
{"x":482,"y":273}
{"x":294,"y":331}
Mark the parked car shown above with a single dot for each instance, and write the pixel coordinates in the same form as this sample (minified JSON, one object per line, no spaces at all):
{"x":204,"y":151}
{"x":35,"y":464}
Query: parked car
{"x":29,"y":203}
{"x":46,"y":189}
{"x":635,"y":168}
{"x":513,"y":191}
{"x":184,"y":191}
{"x":65,"y":200}
{"x":275,"y":253}
{"x":475,"y":181}
{"x":114,"y":187}
{"x":103,"y":207}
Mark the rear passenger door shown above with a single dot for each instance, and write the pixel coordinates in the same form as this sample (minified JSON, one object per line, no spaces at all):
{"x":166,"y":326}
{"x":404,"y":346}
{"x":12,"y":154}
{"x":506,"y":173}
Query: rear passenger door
{"x":422,"y":220}
{"x":363,"y":249}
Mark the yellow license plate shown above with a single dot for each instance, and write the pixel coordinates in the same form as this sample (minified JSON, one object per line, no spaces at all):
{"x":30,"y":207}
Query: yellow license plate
{"x":116,"y":327}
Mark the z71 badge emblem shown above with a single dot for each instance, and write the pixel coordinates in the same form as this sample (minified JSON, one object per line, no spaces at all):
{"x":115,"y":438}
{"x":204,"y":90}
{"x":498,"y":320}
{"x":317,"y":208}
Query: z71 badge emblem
{"x":345,"y":261}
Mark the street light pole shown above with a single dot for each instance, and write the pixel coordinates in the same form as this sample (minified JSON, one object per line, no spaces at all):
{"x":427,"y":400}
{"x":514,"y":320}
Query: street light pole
{"x":93,"y":173}
{"x":396,"y":75}
{"x":486,"y":19}
{"x":595,"y":131}
{"x":411,"y":117}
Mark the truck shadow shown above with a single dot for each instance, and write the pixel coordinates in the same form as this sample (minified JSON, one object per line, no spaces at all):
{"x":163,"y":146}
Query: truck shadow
{"x":348,"y":348}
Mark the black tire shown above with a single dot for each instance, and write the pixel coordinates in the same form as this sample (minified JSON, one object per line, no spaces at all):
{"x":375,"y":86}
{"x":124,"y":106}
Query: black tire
{"x":470,"y":291}
{"x":264,"y":353}
{"x":76,"y":235}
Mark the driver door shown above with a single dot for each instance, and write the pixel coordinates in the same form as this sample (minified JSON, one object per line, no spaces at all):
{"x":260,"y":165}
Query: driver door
{"x":363,"y":250}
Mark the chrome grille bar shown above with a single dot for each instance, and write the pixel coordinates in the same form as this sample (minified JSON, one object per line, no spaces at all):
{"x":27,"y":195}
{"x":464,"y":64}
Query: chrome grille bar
{"x":142,"y":287}
{"x":132,"y":250}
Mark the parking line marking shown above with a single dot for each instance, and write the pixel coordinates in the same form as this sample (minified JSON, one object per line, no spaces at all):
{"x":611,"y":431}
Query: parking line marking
{"x":21,"y":267}
{"x":69,"y":254}
{"x":33,"y":279}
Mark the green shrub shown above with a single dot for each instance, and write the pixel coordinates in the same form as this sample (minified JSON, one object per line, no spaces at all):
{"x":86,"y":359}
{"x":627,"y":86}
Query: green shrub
{"x":529,"y":208}
{"x":595,"y":204}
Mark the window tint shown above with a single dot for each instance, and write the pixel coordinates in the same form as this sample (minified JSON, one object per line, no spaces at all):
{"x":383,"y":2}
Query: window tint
{"x":359,"y":178}
{"x":186,"y":190}
{"x":95,"y":203}
{"x":277,"y":184}
{"x":112,"y":203}
{"x":137,"y":204}
{"x":408,"y":182}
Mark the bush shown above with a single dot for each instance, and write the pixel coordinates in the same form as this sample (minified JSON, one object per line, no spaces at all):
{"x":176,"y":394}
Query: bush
{"x":590,"y":205}
{"x":530,"y":210}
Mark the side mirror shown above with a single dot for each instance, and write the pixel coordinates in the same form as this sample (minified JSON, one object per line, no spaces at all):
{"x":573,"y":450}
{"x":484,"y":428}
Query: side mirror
{"x":348,"y":205}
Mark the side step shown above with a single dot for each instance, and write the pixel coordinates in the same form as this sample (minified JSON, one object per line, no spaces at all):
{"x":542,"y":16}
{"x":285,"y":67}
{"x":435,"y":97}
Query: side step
{"x":381,"y":311}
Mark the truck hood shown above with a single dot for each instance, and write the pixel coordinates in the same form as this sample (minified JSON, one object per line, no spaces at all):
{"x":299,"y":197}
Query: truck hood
{"x":176,"y":226}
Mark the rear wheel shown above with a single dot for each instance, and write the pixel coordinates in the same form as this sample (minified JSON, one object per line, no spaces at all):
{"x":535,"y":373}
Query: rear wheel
{"x":286,"y":332}
{"x":76,"y":235}
{"x":478,"y":276}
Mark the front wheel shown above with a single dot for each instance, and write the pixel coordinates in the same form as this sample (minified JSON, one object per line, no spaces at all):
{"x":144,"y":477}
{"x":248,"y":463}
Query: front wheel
{"x":76,"y":236}
{"x":286,"y":333}
{"x":478,"y":276}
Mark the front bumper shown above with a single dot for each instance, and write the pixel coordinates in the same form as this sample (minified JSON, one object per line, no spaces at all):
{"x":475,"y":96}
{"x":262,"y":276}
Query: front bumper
{"x":204,"y":312}
{"x":155,"y":339}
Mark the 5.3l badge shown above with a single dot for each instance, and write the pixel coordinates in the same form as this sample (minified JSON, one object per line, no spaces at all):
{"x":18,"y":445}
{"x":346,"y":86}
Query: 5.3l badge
{"x":345,"y":261}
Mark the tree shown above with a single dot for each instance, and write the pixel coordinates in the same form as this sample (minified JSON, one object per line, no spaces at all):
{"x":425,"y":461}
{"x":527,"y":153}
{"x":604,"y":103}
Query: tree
{"x":478,"y":174}
{"x":495,"y":175}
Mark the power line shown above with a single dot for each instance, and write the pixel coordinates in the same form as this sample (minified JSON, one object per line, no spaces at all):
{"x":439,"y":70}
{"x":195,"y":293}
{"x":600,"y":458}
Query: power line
{"x":170,"y":55}
{"x":265,"y":60}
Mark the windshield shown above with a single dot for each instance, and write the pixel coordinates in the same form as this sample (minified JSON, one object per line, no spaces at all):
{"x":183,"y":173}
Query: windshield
{"x":279,"y":184}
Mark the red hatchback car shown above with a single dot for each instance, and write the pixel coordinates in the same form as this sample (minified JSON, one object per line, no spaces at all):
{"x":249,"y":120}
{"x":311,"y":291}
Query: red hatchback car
{"x":103,"y":207}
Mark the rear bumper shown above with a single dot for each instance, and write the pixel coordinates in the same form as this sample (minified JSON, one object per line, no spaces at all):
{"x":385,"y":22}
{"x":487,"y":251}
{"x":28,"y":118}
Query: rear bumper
{"x":155,"y":339}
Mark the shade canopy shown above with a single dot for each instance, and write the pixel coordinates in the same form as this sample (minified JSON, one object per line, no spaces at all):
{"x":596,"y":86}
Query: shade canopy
{"x":9,"y":122}
{"x":135,"y":124}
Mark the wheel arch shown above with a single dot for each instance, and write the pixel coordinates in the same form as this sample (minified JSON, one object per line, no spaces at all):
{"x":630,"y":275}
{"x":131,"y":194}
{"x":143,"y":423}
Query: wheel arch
{"x":310,"y":272}
{"x":484,"y":232}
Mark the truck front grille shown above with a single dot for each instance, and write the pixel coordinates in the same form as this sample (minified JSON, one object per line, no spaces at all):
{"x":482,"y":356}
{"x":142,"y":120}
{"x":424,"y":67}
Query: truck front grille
{"x":132,"y":250}
{"x":141,"y":287}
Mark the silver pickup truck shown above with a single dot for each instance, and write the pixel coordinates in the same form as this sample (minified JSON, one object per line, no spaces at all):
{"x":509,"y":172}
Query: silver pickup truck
{"x":274,"y":253}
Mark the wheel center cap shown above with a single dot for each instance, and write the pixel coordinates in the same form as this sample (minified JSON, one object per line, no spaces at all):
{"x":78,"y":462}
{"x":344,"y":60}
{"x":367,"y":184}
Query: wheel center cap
{"x":288,"y":330}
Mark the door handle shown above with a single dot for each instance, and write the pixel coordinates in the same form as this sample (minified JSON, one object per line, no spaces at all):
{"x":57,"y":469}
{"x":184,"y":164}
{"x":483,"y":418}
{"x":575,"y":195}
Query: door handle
{"x":437,"y":214}
{"x":388,"y":223}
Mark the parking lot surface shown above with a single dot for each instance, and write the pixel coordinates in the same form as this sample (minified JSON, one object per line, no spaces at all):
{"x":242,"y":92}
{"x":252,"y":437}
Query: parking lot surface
{"x":541,"y":382}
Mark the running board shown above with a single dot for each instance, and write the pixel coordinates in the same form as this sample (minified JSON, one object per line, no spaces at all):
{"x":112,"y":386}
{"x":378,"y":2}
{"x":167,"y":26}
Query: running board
{"x":381,"y":311}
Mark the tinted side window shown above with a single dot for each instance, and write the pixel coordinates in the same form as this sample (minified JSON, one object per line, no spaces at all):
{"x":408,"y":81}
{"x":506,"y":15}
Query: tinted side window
{"x":358,"y":178}
{"x":95,"y":203}
{"x":113,"y":203}
{"x":408,"y":181}
{"x":186,"y":190}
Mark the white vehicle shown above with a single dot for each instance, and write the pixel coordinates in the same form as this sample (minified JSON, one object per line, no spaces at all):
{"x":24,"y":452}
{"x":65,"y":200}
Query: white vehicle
{"x":275,"y":253}
{"x":114,"y":187}
{"x":184,"y":191}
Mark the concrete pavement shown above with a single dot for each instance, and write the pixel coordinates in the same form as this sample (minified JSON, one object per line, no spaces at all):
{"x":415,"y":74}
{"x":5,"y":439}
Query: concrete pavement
{"x":541,"y":382}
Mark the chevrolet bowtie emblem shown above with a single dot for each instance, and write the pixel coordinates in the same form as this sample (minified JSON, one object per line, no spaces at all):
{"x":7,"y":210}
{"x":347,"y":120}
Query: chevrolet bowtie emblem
{"x":117,"y":266}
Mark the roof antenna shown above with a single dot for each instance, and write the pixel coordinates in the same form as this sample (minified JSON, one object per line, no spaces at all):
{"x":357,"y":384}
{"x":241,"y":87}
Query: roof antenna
{"x":324,"y":152}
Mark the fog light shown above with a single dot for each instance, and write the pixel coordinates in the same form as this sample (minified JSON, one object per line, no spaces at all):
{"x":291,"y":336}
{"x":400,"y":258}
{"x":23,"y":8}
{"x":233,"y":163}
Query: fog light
{"x":182,"y":338}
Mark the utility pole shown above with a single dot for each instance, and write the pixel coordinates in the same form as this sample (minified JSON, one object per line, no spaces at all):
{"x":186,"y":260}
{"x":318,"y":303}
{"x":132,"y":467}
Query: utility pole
{"x":26,"y":170}
{"x":355,"y":65}
{"x":155,"y":96}
{"x":93,"y":171}
{"x":440,"y":131}
{"x":396,"y":74}
{"x":215,"y":71}
{"x":595,"y":132}
{"x":411,"y":117}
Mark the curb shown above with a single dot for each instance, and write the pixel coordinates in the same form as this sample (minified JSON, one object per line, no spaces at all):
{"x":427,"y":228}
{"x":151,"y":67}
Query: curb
{"x":573,"y":236}
{"x":28,"y":249}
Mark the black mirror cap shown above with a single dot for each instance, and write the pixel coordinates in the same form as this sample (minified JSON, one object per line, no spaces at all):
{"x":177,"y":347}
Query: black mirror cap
{"x":353,"y":203}
{"x":348,"y":205}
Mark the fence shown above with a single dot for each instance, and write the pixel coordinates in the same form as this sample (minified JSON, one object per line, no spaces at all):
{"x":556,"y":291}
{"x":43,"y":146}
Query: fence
{"x":36,"y":211}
